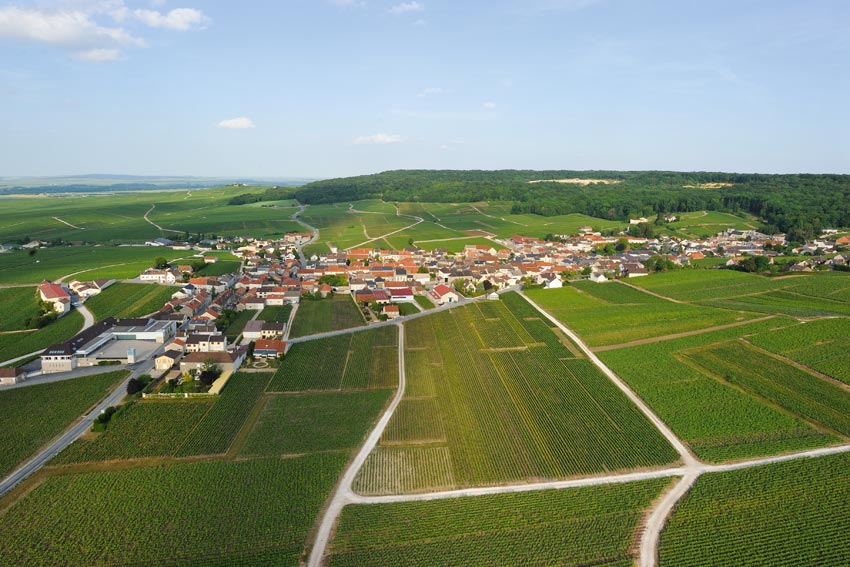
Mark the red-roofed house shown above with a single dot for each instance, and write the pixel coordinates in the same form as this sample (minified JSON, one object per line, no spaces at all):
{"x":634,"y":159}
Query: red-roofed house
{"x":442,"y":294}
{"x":269,"y":348}
{"x":55,"y":294}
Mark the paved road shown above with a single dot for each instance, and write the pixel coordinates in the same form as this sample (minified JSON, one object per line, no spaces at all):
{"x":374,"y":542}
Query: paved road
{"x":344,"y":494}
{"x":62,"y":376}
{"x":72,"y":434}
{"x":313,"y":229}
{"x":88,"y":318}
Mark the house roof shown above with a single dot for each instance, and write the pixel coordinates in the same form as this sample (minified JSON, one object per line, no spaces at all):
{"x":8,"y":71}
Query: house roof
{"x":52,"y":291}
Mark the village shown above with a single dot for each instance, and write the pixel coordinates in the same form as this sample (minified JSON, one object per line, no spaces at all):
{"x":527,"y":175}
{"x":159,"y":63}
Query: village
{"x":184,"y":341}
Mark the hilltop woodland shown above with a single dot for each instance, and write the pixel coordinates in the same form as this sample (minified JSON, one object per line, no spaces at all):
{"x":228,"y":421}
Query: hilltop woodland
{"x":798,"y":205}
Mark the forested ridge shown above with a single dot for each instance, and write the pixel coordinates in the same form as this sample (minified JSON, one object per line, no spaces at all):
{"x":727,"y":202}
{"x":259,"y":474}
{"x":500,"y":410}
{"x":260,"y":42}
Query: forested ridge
{"x":798,"y":204}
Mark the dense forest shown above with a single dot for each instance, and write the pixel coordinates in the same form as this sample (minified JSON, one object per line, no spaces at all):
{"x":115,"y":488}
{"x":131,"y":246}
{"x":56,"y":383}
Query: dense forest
{"x":799,"y":204}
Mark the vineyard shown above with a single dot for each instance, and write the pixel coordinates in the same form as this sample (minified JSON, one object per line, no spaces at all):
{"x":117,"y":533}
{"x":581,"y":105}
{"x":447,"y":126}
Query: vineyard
{"x":821,"y":345}
{"x":17,"y":304}
{"x":367,"y":359}
{"x":717,"y":421}
{"x":143,"y":429}
{"x":129,"y":300}
{"x":699,"y":285}
{"x":19,"y":344}
{"x":295,"y":424}
{"x":785,"y":302}
{"x":503,"y":406}
{"x":791,"y":513}
{"x":603,"y":323}
{"x":219,"y":426}
{"x":32,"y":415}
{"x":275,"y":313}
{"x":617,"y":293}
{"x":795,"y":390}
{"x":320,"y":316}
{"x":255,"y":512}
{"x":579,"y":527}
{"x":237,"y":325}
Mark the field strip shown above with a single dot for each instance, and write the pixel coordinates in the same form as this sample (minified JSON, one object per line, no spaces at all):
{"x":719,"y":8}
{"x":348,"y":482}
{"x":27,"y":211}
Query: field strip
{"x":477,"y":210}
{"x":156,"y":225}
{"x":668,"y":434}
{"x":383,"y":235}
{"x":652,"y":293}
{"x":418,"y":242}
{"x":651,"y":340}
{"x":344,"y":494}
{"x":66,"y":276}
{"x":67,"y":223}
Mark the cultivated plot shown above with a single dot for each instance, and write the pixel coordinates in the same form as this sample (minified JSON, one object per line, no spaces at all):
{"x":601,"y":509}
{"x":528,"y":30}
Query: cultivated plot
{"x":493,"y":396}
{"x":322,"y":315}
{"x":792,"y":513}
{"x":129,"y":300}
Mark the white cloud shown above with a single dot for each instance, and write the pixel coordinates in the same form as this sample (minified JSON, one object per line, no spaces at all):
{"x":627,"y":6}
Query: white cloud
{"x":240,"y":123}
{"x":73,"y":29}
{"x":433,"y":91}
{"x":406,"y":7}
{"x":92,"y":30}
{"x":489,"y":106}
{"x":180,"y":19}
{"x":98,"y":55}
{"x":378,"y":139}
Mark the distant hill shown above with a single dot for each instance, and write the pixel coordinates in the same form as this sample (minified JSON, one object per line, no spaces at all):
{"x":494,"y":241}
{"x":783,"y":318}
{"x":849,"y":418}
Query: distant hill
{"x":99,"y":183}
{"x":799,"y":204}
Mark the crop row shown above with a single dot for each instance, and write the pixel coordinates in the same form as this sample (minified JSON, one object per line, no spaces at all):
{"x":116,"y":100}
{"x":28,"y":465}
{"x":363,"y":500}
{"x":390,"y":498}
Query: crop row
{"x":219,"y":426}
{"x":32,"y":415}
{"x":792,"y":513}
{"x":129,"y":300}
{"x":143,"y":429}
{"x":719,"y":422}
{"x":797,"y":391}
{"x":516,"y":414}
{"x":319,"y":316}
{"x":188,"y":514}
{"x":295,"y":424}
{"x":367,"y":359}
{"x":584,"y":526}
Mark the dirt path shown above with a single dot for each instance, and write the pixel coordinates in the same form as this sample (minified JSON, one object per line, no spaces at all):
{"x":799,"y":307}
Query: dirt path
{"x":156,"y":225}
{"x":66,"y":276}
{"x":67,"y":223}
{"x":652,"y":293}
{"x":344,"y":494}
{"x":480,"y":212}
{"x":663,"y":338}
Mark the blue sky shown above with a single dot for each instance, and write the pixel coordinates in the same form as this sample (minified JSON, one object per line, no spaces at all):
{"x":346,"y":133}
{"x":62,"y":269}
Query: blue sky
{"x":320,"y":88}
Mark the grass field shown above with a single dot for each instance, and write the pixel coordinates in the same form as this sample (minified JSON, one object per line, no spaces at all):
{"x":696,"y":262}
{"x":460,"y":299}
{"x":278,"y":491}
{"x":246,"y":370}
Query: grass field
{"x":296,"y":424}
{"x":145,"y":429}
{"x":129,"y":300}
{"x":614,"y":314}
{"x":571,"y":528}
{"x":88,"y":262}
{"x":120,"y":217}
{"x":423,"y":302}
{"x":319,"y":316}
{"x":821,"y":345}
{"x":17,"y":304}
{"x":488,"y":402}
{"x":30,"y":416}
{"x":791,"y":513}
{"x":218,"y":513}
{"x":366,"y":359}
{"x":719,"y":422}
{"x":19,"y":344}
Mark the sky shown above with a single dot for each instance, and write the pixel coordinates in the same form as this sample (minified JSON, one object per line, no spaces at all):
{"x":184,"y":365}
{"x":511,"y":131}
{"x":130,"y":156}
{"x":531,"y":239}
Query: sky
{"x":324,"y":88}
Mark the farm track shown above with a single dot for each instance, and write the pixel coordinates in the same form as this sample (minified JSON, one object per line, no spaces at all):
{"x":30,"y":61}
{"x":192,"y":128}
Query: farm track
{"x":652,"y":293}
{"x":300,"y":247}
{"x":156,"y":225}
{"x":663,"y":338}
{"x":67,"y":223}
